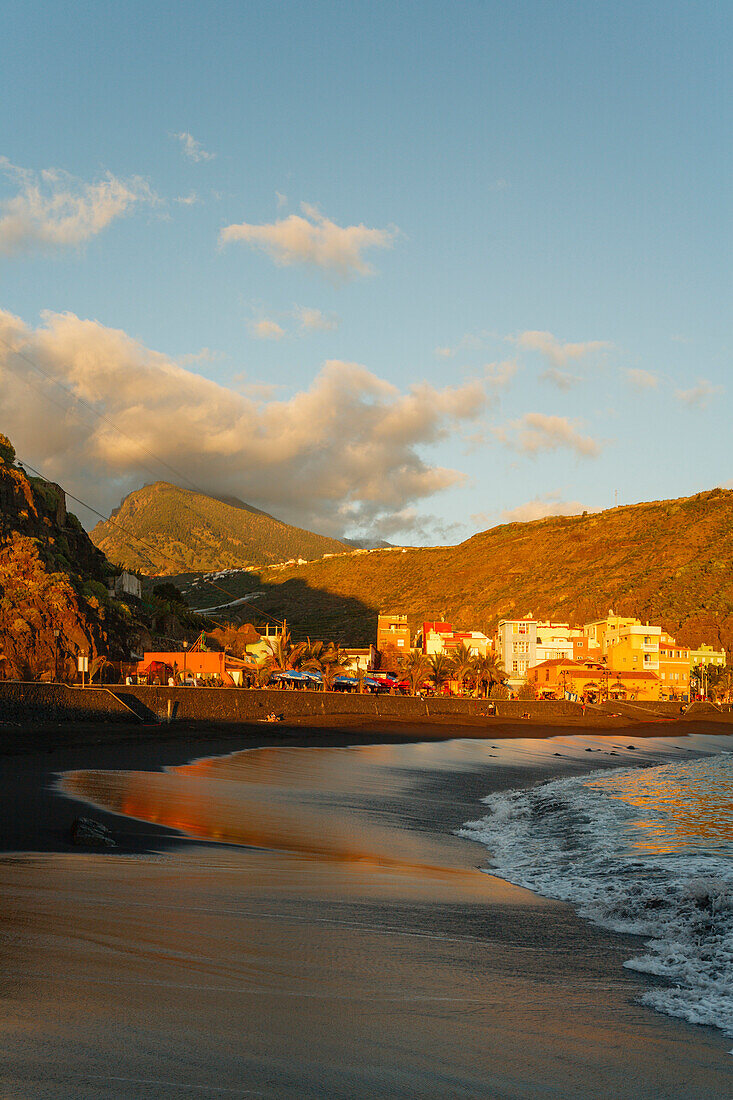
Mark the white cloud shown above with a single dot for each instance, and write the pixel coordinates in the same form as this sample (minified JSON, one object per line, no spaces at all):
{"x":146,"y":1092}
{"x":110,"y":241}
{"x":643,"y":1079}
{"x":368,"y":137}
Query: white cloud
{"x":314,"y":320}
{"x":266,"y":330}
{"x":542,"y":507}
{"x":188,"y":200}
{"x":642,"y":379}
{"x":347,"y":452}
{"x":699,"y":395}
{"x":536,"y":432}
{"x":445,"y":352}
{"x":53,"y":209}
{"x":313,"y":239}
{"x":193,"y":149}
{"x":557,"y":352}
{"x":499,"y":375}
{"x":282,"y":200}
{"x":560,"y":378}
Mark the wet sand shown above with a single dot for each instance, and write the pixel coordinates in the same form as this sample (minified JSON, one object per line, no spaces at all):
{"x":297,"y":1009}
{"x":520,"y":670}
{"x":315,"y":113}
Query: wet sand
{"x":317,"y":931}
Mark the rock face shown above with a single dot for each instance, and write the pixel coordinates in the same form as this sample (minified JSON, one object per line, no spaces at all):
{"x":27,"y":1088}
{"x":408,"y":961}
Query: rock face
{"x":52,"y":579}
{"x":88,"y":833}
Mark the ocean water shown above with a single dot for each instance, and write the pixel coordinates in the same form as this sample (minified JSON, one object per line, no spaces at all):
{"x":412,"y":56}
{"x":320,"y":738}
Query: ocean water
{"x":644,"y":850}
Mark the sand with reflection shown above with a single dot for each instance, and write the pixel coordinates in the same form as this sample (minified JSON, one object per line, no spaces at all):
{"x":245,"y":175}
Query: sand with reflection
{"x":319,"y":932}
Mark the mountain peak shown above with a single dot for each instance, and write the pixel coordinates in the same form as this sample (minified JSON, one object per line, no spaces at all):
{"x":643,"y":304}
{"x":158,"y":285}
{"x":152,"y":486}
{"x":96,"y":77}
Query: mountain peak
{"x":165,"y":529}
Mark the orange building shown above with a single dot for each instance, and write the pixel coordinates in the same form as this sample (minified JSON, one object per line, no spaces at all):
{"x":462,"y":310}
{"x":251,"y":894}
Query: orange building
{"x":195,"y":663}
{"x":674,"y":668}
{"x":592,"y":681}
{"x":393,"y":631}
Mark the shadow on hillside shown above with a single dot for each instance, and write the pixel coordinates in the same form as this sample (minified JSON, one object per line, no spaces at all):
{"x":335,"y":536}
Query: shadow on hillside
{"x":309,"y":612}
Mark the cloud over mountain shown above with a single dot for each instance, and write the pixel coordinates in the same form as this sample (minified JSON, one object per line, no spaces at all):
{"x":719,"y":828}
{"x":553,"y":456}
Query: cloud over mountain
{"x":541,"y":507}
{"x":346,"y":452}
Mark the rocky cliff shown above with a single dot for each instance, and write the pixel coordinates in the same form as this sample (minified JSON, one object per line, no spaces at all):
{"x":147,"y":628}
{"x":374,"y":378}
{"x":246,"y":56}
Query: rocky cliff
{"x":52,"y":578}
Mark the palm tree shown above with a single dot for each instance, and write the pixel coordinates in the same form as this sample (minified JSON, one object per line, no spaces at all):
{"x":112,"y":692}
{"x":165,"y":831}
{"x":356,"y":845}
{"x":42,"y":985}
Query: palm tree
{"x":417,"y":668}
{"x":327,"y":658}
{"x":489,"y":672}
{"x":464,"y":665}
{"x":283,"y":655}
{"x":441,"y":669}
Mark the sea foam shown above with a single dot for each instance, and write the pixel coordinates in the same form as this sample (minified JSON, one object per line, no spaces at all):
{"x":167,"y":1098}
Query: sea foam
{"x":645,"y":851}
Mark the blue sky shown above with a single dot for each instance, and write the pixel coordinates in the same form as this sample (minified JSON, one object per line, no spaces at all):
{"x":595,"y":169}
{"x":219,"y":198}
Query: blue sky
{"x":402,"y":269}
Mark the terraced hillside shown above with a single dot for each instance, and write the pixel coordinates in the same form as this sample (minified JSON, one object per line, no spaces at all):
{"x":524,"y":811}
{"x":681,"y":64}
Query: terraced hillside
{"x":666,"y":561}
{"x":163,"y":529}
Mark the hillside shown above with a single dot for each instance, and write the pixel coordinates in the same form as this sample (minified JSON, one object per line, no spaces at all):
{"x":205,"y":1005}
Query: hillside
{"x":667,"y":561}
{"x":51,"y":579}
{"x":183,"y":530}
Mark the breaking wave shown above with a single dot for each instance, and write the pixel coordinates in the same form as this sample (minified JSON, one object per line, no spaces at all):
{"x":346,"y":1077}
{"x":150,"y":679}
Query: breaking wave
{"x":644,"y":850}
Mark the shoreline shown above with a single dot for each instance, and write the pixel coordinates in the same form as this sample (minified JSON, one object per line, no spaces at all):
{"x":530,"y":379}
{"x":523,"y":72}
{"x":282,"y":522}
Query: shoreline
{"x":418,"y":975}
{"x":34,"y":817}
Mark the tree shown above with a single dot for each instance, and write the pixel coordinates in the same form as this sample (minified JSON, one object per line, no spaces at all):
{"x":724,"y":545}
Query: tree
{"x":723,"y":687}
{"x":704,"y":679}
{"x":327,"y":658}
{"x":284,"y":655}
{"x":489,"y":672}
{"x":464,"y":665}
{"x":389,"y":658}
{"x":417,"y":669}
{"x":440,"y":669}
{"x":527,"y":692}
{"x":168,"y":592}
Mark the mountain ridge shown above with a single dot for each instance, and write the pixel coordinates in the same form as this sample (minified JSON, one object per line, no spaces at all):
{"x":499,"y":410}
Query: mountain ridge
{"x":668,"y":561}
{"x":164,"y":529}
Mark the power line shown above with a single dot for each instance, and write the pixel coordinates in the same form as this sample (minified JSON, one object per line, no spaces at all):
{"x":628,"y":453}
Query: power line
{"x":137,"y":538}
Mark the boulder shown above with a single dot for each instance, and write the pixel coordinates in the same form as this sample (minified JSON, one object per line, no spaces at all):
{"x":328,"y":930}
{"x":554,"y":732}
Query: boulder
{"x":89,"y":833}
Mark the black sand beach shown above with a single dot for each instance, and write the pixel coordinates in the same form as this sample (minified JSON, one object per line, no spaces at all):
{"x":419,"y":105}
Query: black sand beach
{"x":335,"y":940}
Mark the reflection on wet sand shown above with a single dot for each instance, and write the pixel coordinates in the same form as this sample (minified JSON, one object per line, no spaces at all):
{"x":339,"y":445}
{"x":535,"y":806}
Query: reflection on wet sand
{"x":279,"y":800}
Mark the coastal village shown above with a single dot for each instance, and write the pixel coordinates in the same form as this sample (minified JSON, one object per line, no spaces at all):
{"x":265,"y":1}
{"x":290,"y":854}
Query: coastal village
{"x":616,"y":658}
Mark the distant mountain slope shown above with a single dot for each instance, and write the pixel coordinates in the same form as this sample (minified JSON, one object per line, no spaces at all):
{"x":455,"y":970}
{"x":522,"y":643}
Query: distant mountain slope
{"x":183,"y":530}
{"x":667,"y":561}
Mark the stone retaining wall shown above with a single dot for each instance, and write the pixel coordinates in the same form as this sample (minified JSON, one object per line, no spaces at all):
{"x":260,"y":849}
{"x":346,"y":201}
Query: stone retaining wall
{"x":56,"y":702}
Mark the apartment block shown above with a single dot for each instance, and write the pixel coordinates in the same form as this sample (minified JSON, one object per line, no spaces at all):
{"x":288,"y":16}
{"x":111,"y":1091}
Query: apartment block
{"x":393,"y":631}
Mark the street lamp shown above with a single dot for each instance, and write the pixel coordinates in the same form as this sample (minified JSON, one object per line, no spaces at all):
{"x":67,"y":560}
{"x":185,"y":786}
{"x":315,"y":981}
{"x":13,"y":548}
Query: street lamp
{"x":185,"y":647}
{"x":56,"y":654}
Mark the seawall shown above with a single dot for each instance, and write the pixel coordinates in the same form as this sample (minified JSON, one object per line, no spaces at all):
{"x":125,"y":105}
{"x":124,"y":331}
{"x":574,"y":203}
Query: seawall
{"x":59,"y":703}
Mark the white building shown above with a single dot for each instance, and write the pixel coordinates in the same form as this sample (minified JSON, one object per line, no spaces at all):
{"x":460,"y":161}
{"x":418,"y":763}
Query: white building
{"x":556,"y":640}
{"x":127,"y":584}
{"x":516,"y":648}
{"x":523,"y":643}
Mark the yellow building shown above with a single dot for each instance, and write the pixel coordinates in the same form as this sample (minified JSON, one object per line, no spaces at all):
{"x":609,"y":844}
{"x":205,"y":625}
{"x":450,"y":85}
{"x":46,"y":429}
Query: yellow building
{"x":674,"y":667}
{"x":592,"y":682}
{"x":706,"y":655}
{"x":627,"y":644}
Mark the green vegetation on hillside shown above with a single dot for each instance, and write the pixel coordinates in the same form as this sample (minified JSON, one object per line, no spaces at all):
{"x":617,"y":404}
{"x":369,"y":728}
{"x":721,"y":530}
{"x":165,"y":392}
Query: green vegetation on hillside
{"x":163,"y":529}
{"x":669,"y":562}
